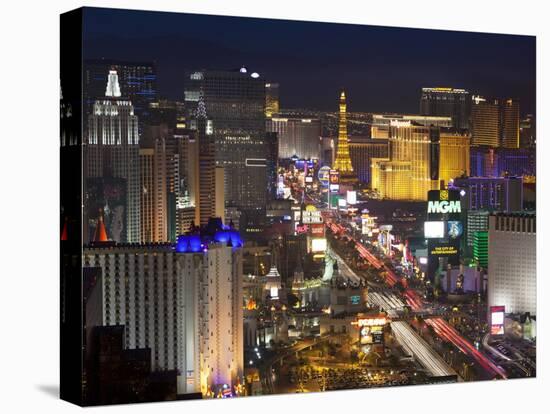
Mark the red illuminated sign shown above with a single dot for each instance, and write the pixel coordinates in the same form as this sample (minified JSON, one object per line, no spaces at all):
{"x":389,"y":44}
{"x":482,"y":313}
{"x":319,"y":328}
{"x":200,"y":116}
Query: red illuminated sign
{"x":497,"y":320}
{"x":317,"y":230}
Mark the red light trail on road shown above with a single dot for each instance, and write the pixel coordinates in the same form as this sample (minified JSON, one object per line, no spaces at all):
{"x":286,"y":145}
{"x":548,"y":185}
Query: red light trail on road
{"x":441,"y":327}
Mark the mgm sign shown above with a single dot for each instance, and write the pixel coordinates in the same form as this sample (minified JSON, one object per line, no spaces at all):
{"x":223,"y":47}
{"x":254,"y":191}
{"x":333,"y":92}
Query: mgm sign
{"x":444,"y":206}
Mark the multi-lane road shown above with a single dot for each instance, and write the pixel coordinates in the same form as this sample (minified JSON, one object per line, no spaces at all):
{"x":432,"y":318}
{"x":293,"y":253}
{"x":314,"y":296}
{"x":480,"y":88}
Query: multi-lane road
{"x":405,"y":335}
{"x":441,"y":327}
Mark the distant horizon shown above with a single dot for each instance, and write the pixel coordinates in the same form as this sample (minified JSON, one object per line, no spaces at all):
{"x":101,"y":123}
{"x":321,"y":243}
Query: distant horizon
{"x":383,"y":69}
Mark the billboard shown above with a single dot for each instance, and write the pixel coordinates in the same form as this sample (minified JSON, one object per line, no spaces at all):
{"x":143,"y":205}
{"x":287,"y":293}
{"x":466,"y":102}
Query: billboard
{"x":311,"y":215}
{"x":497,"y":320}
{"x":434,"y":229}
{"x":342,"y":203}
{"x":317,"y":230}
{"x":351,"y":197}
{"x":371,"y":329}
{"x":455,"y":229}
{"x":443,"y":250}
{"x":444,"y":205}
{"x":318,"y":245}
{"x":323,"y":175}
{"x":334,"y":180}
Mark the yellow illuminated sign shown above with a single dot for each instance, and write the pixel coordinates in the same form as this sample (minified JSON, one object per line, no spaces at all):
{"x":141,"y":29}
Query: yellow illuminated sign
{"x":444,"y":250}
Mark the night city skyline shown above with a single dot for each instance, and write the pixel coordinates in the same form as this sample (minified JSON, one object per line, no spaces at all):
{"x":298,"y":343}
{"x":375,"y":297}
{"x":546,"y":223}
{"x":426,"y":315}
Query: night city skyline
{"x":312,"y":61}
{"x":276,"y":207}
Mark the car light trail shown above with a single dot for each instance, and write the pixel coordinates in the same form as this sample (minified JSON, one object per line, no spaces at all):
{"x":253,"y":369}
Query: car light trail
{"x":441,"y":327}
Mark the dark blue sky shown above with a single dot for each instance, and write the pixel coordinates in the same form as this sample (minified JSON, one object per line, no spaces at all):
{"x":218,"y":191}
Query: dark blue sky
{"x":381,"y":68}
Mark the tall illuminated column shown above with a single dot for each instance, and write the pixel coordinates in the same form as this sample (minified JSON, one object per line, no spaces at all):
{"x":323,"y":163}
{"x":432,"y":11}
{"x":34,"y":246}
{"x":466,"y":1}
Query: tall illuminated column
{"x":343,"y":160}
{"x":342,"y":163}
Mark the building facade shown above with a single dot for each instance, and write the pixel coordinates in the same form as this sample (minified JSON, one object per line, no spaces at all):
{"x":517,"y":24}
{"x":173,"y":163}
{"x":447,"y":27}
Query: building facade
{"x":447,"y":102}
{"x":138,"y":81}
{"x":271,"y":99}
{"x":512,"y":263}
{"x":111,"y":150}
{"x":492,"y":193}
{"x":380,"y":124}
{"x":412,"y":168}
{"x":362,"y":151}
{"x":485,"y":122}
{"x":235,"y":103}
{"x":297,"y":136}
{"x":476,"y":221}
{"x":509,"y":127}
{"x":183,"y":303}
{"x":153,"y":197}
{"x":454,"y":153}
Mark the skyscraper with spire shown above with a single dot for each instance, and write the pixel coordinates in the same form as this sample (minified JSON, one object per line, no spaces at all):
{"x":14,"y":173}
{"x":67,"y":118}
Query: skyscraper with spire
{"x":111,"y":151}
{"x":342,"y":163}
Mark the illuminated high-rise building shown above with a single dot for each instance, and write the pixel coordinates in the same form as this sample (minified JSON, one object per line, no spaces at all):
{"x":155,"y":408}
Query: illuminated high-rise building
{"x":235,"y":103}
{"x":485,"y":121}
{"x":447,"y":102}
{"x":454,"y":153}
{"x":183,"y":301}
{"x":297,"y":136}
{"x":527,"y":132}
{"x":491,"y":193}
{"x":272,"y":166}
{"x":271,"y":99}
{"x":362,"y":151}
{"x":342,"y":163}
{"x":509,"y":123}
{"x":327,"y":153}
{"x":480,"y":248}
{"x":497,"y":162}
{"x":476,"y":221}
{"x":412,"y":168}
{"x":380,"y":124}
{"x":209,"y":198}
{"x":153,"y":200}
{"x":391,"y":179}
{"x":111,"y":150}
{"x":512,"y":273}
{"x":138,"y":81}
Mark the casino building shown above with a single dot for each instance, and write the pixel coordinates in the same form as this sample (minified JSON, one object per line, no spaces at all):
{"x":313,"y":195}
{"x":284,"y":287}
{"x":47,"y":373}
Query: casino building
{"x":512,"y":262}
{"x":182,"y":301}
{"x":412,"y":168}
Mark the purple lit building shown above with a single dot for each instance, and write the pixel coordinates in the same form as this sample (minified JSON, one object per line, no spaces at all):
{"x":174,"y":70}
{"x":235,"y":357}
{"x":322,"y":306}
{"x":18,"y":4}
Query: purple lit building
{"x":496,"y":162}
{"x":491,"y":193}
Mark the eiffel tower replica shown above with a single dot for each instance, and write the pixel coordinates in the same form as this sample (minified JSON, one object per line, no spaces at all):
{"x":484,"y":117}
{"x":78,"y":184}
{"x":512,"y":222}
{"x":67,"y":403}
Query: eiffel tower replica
{"x":342,"y":163}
